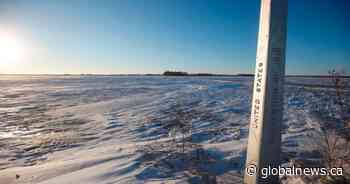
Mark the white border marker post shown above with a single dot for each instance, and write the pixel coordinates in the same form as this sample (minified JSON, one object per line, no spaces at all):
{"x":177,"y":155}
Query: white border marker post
{"x":264,"y":142}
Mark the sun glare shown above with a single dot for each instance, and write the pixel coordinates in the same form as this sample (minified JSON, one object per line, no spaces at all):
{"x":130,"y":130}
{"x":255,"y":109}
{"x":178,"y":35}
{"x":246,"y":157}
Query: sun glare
{"x":11,"y":49}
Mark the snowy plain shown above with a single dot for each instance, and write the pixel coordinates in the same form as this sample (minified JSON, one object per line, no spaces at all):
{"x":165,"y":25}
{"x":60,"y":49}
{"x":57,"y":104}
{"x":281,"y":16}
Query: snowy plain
{"x":108,"y":129}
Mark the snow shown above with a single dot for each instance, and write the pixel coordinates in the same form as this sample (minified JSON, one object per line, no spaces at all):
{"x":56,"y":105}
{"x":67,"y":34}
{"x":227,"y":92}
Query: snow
{"x":100,"y":129}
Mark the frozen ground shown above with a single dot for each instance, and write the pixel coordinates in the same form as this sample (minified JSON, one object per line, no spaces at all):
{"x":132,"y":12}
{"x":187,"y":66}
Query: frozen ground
{"x":110,"y":129}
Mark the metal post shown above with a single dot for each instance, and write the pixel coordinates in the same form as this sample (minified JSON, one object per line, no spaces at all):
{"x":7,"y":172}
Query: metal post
{"x":264,"y":142}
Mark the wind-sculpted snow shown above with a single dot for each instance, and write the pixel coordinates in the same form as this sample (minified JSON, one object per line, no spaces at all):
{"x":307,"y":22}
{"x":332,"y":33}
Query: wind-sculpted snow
{"x":118,"y":129}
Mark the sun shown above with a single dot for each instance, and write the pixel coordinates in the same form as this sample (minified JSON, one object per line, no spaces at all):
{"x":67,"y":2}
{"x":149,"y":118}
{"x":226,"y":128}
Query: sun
{"x":11,"y":49}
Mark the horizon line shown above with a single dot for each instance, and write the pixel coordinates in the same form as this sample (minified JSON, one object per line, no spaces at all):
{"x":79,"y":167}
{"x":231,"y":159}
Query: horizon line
{"x":160,"y":74}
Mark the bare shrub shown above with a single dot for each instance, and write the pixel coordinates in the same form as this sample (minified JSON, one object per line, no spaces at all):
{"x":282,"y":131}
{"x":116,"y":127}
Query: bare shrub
{"x":181,"y":152}
{"x":181,"y":123}
{"x":333,"y":141}
{"x":335,"y":150}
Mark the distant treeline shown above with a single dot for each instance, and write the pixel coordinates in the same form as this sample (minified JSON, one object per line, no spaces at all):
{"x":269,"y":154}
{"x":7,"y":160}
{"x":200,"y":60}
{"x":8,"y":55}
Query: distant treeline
{"x":318,"y":76}
{"x":180,"y":73}
{"x":175,"y":73}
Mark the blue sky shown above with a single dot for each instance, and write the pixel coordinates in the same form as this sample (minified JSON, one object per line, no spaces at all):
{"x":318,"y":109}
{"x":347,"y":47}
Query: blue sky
{"x":150,"y":36}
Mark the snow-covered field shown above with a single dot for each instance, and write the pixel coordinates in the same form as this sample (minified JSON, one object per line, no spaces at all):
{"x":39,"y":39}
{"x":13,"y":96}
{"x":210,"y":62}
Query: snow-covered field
{"x":110,"y":129}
